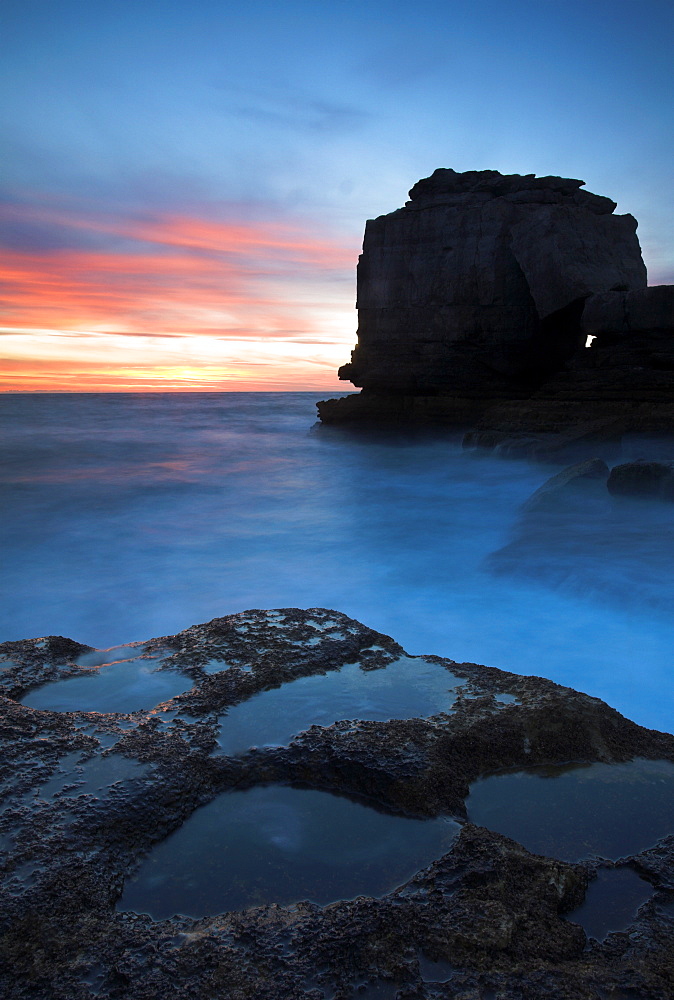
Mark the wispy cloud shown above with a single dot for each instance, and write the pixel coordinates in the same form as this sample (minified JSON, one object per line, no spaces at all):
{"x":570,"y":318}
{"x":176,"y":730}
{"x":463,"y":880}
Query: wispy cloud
{"x":57,"y":226}
{"x":285,"y":107}
{"x":170,"y":300}
{"x":170,"y":273}
{"x":304,"y":116}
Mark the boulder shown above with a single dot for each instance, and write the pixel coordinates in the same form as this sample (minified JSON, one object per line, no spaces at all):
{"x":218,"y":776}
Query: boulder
{"x":572,"y":480}
{"x":573,"y":536}
{"x":643,"y":479}
{"x":567,"y":255}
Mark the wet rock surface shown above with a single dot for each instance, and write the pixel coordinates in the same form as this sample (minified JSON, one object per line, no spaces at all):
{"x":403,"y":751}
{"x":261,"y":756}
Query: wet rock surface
{"x":477,"y":302}
{"x":579,"y":478}
{"x":587,"y":512}
{"x":492,"y":919}
{"x":643,"y":479}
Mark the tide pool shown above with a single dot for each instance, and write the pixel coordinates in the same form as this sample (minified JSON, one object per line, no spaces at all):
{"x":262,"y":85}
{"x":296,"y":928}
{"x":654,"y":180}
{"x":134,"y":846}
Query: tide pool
{"x":281,"y":845}
{"x":406,"y":689}
{"x":122,"y":683}
{"x":578,"y":811}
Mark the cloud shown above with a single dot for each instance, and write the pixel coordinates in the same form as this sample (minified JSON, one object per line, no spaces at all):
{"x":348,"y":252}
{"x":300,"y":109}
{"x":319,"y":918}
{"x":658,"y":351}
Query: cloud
{"x":283,"y":106}
{"x":167,"y":274}
{"x":303,"y":116}
{"x":401,"y":64}
{"x":93,"y":301}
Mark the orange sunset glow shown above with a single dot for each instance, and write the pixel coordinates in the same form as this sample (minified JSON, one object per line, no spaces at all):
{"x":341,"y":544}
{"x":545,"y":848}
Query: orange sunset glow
{"x":176,"y":302}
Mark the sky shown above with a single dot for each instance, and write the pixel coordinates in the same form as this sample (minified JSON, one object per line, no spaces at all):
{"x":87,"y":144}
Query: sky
{"x":184,"y":183}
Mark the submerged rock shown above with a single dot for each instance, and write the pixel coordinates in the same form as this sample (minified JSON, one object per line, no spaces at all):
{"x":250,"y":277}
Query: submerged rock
{"x":487,"y":913}
{"x":559,"y":487}
{"x":475,"y":302}
{"x":643,"y":479}
{"x":582,"y":531}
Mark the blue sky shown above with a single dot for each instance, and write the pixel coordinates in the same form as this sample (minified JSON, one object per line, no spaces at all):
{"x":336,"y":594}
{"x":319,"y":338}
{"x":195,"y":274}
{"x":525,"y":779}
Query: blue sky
{"x":307,"y":118}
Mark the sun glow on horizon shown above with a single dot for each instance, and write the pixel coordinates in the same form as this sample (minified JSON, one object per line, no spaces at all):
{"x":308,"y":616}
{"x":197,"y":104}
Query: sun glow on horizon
{"x":75,"y":362}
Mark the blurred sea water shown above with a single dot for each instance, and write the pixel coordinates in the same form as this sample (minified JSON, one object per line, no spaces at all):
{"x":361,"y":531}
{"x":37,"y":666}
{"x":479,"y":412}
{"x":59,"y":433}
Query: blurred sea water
{"x":128,"y":516}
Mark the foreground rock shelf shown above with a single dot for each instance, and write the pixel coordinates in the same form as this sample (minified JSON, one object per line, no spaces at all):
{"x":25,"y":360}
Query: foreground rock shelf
{"x":89,"y":795}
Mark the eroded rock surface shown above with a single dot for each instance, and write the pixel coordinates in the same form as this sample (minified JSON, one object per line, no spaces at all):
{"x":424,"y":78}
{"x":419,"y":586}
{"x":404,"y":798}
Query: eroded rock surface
{"x":475,"y":302}
{"x":486,"y":916}
{"x":622,"y":313}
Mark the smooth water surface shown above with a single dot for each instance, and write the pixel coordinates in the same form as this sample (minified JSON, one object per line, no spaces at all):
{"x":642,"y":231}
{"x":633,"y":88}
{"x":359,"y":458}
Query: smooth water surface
{"x":611,"y":902}
{"x":406,"y":689}
{"x":123,"y":685}
{"x":279,"y":844}
{"x":577,"y":811}
{"x":435,"y":972}
{"x":127,"y":516}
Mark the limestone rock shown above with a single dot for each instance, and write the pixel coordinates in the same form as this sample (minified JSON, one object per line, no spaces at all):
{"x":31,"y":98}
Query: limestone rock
{"x":559,"y":486}
{"x":644,"y":479}
{"x":571,"y":537}
{"x":475,"y":303}
{"x":567,"y":255}
{"x":462,"y":291}
{"x":624,"y":313}
{"x":497,"y":913}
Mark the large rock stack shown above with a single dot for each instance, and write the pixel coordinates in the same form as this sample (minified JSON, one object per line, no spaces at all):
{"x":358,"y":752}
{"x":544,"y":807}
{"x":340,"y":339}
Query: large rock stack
{"x":480,"y":294}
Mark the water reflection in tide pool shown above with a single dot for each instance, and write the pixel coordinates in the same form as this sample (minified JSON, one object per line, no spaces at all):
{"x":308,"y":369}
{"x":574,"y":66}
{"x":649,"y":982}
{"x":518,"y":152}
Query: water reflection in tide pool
{"x":406,"y":689}
{"x":281,"y":845}
{"x":611,"y":902}
{"x":124,"y":682}
{"x":435,"y":972}
{"x":577,"y":811}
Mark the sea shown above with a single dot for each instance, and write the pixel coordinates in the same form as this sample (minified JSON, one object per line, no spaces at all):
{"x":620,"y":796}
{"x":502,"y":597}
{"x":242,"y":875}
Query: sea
{"x":130,"y":516}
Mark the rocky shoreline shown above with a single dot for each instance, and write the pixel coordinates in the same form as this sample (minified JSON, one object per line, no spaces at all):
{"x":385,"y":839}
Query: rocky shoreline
{"x":487,"y":919}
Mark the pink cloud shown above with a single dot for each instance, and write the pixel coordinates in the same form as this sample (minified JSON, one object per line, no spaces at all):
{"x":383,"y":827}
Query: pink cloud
{"x":183,"y":275}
